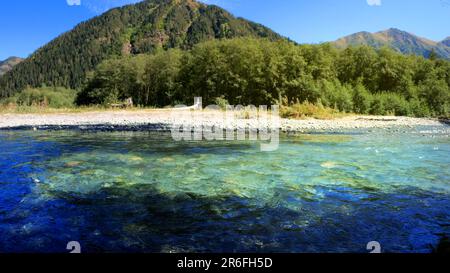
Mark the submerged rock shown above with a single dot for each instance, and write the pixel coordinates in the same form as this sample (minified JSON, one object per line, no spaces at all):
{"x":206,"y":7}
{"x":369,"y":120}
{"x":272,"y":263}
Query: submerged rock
{"x":329,"y":165}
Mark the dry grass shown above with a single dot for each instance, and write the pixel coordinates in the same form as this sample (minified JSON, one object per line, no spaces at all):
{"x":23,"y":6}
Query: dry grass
{"x":17,"y":109}
{"x":295,"y":111}
{"x":308,"y":110}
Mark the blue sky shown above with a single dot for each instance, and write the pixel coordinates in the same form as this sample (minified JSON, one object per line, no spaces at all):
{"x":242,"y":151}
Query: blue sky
{"x":28,"y":24}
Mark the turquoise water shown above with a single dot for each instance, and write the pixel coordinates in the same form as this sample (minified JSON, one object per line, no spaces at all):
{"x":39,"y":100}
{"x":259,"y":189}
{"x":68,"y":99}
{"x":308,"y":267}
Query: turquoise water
{"x":142,"y":192}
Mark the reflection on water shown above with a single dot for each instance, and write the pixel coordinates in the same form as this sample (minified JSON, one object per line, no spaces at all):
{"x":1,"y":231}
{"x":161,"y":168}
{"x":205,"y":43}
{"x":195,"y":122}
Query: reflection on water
{"x":142,"y":192}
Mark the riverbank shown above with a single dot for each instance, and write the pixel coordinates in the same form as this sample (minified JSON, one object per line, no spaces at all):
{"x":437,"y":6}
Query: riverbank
{"x":164,"y":119}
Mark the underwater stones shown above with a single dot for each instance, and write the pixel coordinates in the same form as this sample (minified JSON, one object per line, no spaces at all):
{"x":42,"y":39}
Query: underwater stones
{"x":292,"y":226}
{"x":285,"y":188}
{"x":27,"y":228}
{"x":73,"y":164}
{"x":136,"y":158}
{"x":319,"y":138}
{"x":88,"y":172}
{"x":36,"y":180}
{"x":166,"y":159}
{"x":329,"y":165}
{"x":107,"y":185}
{"x":135,"y":228}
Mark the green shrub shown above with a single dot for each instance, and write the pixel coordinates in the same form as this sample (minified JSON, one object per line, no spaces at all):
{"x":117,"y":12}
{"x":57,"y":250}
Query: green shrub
{"x":343,"y":100}
{"x":53,"y":97}
{"x":419,"y":108}
{"x":8,"y":101}
{"x":222,"y":102}
{"x":337,"y":96}
{"x":362,"y":99}
{"x":390,"y":104}
{"x":377,"y":106}
{"x":437,"y":94}
{"x":395,"y":104}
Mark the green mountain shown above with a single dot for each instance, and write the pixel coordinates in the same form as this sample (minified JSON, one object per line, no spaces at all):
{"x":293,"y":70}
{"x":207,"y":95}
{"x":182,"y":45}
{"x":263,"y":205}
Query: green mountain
{"x":399,"y":40}
{"x":140,"y":28}
{"x":8,"y":64}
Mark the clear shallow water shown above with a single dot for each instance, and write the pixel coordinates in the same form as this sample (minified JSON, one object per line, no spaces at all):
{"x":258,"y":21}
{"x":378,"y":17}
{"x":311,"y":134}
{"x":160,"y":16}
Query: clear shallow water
{"x":142,"y":192}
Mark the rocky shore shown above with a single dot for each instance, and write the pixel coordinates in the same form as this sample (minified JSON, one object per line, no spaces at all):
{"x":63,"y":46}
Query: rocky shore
{"x":165,"y":119}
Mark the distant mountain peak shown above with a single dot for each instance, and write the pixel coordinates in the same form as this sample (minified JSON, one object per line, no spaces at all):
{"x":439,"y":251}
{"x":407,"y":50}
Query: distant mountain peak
{"x":393,"y":30}
{"x":399,"y":40}
{"x":12,"y":58}
{"x":446,"y":41}
{"x":8,"y":64}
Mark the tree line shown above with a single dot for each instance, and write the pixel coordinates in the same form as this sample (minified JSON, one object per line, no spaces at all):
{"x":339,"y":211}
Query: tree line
{"x":261,"y":72}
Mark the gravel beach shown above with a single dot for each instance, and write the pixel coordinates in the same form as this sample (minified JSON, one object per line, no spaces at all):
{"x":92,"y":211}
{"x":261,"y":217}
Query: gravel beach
{"x":164,"y":119}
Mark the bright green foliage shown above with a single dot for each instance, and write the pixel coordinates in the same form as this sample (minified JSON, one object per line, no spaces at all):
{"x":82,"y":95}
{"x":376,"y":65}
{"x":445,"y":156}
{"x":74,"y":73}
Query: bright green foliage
{"x":395,"y":104}
{"x":160,"y":78}
{"x":362,"y":99}
{"x":335,"y":95}
{"x":259,"y":71}
{"x":419,"y":108}
{"x":437,"y":94}
{"x":221,"y":102}
{"x":390,"y":104}
{"x":241,"y":70}
{"x":114,"y":80}
{"x":54,"y":97}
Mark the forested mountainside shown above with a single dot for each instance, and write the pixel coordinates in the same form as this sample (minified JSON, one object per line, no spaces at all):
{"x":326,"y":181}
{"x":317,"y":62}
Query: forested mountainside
{"x":144,"y":27}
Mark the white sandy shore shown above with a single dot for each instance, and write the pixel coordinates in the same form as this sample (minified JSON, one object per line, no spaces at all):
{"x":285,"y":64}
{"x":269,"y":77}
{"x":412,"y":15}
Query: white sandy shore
{"x":164,"y":118}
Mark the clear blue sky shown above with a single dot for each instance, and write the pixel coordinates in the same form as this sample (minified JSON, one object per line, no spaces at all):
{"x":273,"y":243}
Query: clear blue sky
{"x":28,"y":24}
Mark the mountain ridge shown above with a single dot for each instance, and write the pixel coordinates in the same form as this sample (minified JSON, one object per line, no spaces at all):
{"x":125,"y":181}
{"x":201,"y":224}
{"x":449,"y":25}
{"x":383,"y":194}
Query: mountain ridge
{"x":402,"y":41}
{"x":446,"y":41}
